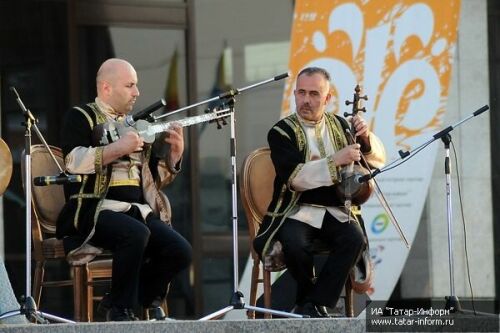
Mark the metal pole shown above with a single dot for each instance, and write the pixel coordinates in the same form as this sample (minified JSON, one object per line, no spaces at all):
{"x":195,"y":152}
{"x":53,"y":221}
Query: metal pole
{"x":449,"y":213}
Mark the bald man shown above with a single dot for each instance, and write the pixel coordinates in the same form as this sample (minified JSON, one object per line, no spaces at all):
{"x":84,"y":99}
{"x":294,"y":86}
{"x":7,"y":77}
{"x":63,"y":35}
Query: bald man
{"x":119,"y":205}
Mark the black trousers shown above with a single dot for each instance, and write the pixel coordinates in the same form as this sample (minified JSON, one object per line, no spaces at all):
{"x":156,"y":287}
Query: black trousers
{"x":345,"y":242}
{"x":146,"y":255}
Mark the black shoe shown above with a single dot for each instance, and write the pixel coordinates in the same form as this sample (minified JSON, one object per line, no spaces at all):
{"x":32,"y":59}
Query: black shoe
{"x":156,"y":313}
{"x":104,"y":305}
{"x":324,"y":311}
{"x":120,"y":314}
{"x":154,"y":310}
{"x":314,"y":311}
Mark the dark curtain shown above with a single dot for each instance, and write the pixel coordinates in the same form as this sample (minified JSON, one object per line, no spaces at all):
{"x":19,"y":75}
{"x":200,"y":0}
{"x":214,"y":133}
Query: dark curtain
{"x":34,"y":59}
{"x":95,"y":46}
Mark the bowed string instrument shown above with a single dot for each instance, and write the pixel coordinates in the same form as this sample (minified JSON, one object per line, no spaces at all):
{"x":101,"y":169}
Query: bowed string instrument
{"x":351,"y":189}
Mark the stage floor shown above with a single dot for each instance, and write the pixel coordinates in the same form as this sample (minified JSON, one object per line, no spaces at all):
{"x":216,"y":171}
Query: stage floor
{"x":191,"y":326}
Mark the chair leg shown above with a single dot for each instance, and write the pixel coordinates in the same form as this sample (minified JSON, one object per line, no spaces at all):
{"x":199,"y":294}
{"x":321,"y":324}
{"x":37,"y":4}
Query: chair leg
{"x":80,"y":298}
{"x":89,"y":294}
{"x":253,"y":287}
{"x":164,"y":306}
{"x":38,"y":281}
{"x":77,"y":292}
{"x":349,"y":310}
{"x":267,"y":292}
{"x":145,"y":314}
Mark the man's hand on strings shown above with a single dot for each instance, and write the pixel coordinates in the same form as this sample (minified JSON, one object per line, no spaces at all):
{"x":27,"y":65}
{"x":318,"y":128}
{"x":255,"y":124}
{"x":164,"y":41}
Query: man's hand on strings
{"x":175,"y":139}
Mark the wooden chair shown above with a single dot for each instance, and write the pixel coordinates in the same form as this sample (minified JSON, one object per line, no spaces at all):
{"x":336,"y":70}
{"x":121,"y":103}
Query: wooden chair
{"x":47,"y":202}
{"x":256,"y":188}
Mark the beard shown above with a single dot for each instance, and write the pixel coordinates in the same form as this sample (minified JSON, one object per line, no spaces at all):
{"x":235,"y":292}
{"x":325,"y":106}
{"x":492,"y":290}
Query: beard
{"x":308,"y":113}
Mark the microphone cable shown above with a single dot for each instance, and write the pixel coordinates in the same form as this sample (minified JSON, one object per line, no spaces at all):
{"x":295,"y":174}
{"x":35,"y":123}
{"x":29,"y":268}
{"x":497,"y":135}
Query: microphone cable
{"x":464,"y":226}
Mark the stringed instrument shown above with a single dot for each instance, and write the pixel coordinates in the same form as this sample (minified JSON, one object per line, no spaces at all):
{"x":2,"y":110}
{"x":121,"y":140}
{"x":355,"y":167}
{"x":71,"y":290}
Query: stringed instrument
{"x":350,"y":190}
{"x":111,"y":131}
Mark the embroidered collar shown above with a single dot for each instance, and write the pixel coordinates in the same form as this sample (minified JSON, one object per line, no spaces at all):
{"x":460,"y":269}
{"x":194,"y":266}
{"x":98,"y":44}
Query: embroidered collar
{"x":311,"y":123}
{"x":108,"y":110}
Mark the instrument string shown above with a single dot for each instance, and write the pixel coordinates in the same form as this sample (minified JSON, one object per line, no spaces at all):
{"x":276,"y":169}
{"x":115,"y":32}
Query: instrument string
{"x":355,"y":109}
{"x":383,"y":201}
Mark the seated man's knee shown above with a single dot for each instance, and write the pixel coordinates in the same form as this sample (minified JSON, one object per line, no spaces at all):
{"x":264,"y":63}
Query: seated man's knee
{"x":352,"y":237}
{"x":184,"y":255}
{"x":296,"y":249}
{"x":140,"y":236}
{"x":357,"y":238}
{"x":181,"y":254}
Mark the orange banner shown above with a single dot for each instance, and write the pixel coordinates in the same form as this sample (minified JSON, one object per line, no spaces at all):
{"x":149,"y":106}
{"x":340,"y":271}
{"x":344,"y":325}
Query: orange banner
{"x":399,"y":51}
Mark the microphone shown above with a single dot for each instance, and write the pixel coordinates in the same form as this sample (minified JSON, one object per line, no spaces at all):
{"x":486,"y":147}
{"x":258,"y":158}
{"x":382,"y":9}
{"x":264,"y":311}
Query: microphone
{"x":131,"y":119}
{"x":233,"y":92}
{"x":481,"y":110}
{"x":56,"y":180}
{"x":367,"y":177}
{"x":281,"y":76}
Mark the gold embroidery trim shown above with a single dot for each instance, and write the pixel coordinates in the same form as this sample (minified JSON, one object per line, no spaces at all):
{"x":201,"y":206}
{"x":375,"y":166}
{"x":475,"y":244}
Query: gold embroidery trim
{"x":319,"y":140}
{"x":100,"y":116}
{"x":280,"y":199}
{"x":336,"y":133}
{"x":333,"y":169}
{"x":285,"y":134}
{"x":292,"y":203}
{"x":80,"y":201}
{"x":85,"y":196}
{"x":100,"y":180}
{"x":276,"y":213}
{"x":99,"y":152}
{"x":125,"y":182}
{"x":293,"y":175}
{"x":293,"y":123}
{"x":91,"y":122}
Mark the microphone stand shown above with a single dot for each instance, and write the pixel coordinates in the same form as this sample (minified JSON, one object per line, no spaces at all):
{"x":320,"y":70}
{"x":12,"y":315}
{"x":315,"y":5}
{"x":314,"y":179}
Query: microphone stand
{"x":28,"y":305}
{"x":224,"y":96}
{"x":452,"y":301}
{"x":237,"y":299}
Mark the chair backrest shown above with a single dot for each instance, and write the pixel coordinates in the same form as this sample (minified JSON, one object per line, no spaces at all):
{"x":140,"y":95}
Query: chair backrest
{"x":47,"y":201}
{"x":5,"y":166}
{"x":256,"y":187}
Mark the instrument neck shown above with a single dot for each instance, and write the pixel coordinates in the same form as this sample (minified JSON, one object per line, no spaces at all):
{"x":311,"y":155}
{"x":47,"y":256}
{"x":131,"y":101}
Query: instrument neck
{"x":165,"y":126}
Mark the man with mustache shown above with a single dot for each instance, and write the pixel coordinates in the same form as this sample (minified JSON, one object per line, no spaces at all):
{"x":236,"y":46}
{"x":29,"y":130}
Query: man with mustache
{"x":118,"y":206}
{"x":308,"y":149}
